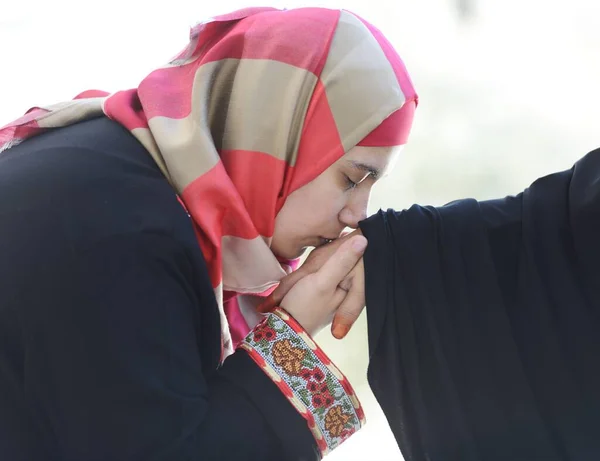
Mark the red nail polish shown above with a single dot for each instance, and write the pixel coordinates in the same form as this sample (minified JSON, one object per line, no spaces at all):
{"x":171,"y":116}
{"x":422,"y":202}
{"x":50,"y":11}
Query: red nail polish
{"x":339,"y":331}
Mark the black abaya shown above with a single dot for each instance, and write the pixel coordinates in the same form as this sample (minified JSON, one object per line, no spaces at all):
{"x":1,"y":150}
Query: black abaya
{"x":484,"y":323}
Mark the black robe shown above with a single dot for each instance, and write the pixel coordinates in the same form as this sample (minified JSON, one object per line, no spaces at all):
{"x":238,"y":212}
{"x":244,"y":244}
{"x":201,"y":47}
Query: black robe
{"x":110,"y":337}
{"x":484,"y":323}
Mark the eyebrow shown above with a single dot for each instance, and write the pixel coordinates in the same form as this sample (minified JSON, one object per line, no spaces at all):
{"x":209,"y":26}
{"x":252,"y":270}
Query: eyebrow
{"x":364,"y":167}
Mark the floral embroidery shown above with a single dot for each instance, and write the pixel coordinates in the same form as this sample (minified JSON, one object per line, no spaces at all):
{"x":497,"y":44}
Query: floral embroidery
{"x":288,"y":357}
{"x":263,"y":331}
{"x":322,"y":400}
{"x":336,"y":420}
{"x":306,"y":376}
{"x":318,"y":375}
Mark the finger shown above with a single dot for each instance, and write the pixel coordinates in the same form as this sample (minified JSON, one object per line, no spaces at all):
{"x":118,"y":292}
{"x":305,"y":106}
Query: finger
{"x":318,"y":256}
{"x":351,"y":233}
{"x":282,"y":289}
{"x":341,"y":263}
{"x":267,"y":305}
{"x":313,"y":263}
{"x":353,"y":304}
{"x":348,"y":312}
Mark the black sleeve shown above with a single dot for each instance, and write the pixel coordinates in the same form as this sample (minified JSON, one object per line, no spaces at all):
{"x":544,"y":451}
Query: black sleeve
{"x":114,"y":369}
{"x":483,"y":322}
{"x":444,"y":365}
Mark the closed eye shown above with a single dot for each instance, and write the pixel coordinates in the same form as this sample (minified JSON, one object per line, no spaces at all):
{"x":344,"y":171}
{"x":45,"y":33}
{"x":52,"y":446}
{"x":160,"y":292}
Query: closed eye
{"x":349,"y":183}
{"x":365,"y":169}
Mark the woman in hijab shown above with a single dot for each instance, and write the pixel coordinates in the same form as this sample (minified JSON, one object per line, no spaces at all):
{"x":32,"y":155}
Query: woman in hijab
{"x":140,"y":229}
{"x":484,"y":321}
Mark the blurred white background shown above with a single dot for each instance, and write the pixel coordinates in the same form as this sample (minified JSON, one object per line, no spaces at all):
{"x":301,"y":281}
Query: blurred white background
{"x":509,"y":91}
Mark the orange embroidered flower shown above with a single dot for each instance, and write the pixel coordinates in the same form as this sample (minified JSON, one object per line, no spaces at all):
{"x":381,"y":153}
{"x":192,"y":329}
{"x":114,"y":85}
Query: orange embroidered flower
{"x":288,"y":357}
{"x":335,"y":420}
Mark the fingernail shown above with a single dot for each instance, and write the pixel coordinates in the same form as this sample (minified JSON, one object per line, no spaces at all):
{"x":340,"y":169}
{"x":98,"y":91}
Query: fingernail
{"x":359,"y":243}
{"x":339,"y":331}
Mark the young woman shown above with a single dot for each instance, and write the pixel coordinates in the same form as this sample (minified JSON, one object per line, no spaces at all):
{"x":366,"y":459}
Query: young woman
{"x":139,"y":229}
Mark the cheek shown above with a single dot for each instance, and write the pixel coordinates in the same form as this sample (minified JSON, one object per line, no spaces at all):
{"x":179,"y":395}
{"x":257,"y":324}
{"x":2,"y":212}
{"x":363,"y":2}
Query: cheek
{"x":332,"y":204}
{"x":326,"y":198}
{"x":311,"y":209}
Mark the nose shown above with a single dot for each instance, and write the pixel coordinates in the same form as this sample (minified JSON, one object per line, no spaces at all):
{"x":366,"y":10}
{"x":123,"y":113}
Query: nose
{"x":356,"y":208}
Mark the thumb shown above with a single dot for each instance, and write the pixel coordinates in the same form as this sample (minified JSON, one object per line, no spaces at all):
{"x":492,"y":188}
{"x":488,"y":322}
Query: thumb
{"x":339,"y":265}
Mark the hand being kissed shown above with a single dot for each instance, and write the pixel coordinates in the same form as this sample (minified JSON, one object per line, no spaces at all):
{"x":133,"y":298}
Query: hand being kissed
{"x":328,"y":287}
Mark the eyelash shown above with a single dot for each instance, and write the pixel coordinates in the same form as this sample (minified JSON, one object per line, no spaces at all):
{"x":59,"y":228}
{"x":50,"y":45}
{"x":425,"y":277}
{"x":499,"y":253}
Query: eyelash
{"x":351,"y":184}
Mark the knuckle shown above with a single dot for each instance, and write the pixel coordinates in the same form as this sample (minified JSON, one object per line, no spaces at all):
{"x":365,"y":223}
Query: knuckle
{"x":345,"y":284}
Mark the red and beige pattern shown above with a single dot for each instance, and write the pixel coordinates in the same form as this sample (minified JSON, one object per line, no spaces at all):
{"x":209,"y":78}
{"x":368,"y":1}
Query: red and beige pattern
{"x":306,"y":376}
{"x":258,"y":104}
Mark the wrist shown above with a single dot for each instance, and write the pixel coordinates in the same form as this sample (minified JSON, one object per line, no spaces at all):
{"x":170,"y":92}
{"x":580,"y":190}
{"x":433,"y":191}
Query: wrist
{"x":302,"y":319}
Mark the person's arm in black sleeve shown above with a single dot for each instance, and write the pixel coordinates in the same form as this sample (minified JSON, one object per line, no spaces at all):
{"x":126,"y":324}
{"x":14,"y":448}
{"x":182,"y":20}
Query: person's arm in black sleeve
{"x":483,"y":322}
{"x":114,"y":368}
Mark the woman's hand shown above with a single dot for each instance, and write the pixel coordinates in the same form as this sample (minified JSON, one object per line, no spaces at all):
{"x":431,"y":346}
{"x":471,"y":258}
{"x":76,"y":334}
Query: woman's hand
{"x":349,"y":288}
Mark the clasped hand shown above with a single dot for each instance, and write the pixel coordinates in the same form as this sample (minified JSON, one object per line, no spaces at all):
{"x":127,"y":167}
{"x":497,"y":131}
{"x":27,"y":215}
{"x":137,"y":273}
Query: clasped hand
{"x":327,"y":288}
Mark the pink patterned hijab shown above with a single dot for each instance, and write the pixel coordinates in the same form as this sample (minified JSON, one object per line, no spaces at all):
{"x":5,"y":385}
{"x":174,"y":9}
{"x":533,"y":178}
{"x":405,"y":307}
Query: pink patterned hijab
{"x":258,"y":104}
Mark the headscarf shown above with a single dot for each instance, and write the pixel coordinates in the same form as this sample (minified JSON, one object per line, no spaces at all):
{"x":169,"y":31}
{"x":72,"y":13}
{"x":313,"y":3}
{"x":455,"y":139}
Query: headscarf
{"x":258,"y":104}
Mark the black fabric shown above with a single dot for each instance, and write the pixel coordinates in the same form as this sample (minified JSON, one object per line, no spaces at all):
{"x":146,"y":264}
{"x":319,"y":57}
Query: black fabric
{"x":484,"y":323}
{"x":109,"y":328}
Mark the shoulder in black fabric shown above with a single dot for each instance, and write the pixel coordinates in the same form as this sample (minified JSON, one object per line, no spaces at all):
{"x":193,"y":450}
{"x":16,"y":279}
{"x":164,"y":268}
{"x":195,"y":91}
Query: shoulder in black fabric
{"x":483,"y":320}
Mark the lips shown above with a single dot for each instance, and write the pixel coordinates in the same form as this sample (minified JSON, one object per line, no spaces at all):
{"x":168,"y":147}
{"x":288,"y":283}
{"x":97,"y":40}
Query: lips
{"x":326,"y":240}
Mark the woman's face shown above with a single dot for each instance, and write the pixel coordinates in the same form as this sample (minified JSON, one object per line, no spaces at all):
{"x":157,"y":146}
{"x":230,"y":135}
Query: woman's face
{"x":336,"y":199}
